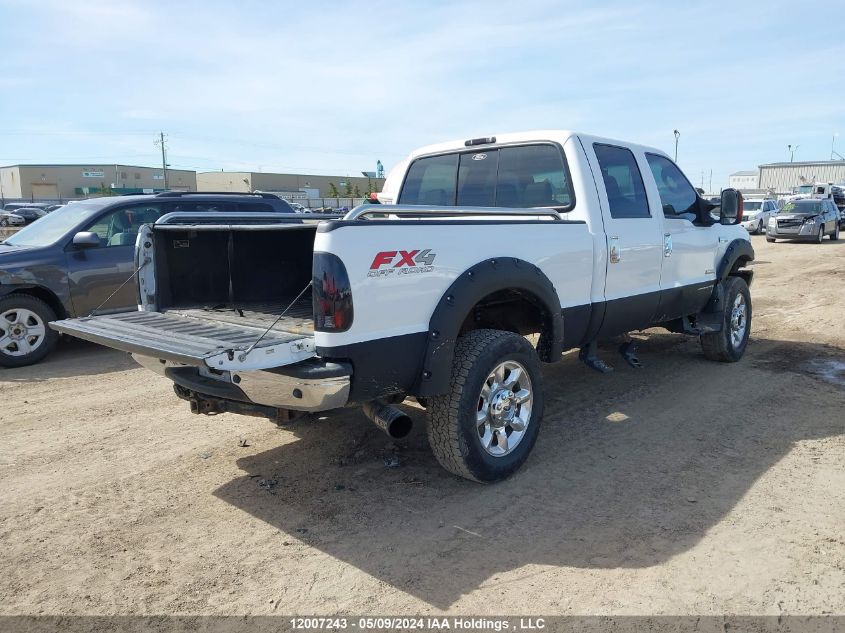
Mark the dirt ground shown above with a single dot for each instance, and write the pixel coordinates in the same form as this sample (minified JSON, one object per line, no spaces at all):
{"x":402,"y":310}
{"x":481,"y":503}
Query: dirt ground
{"x":687,"y":487}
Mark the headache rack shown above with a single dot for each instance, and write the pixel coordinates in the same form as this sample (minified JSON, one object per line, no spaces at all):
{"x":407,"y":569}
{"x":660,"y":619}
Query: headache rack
{"x":411,"y":210}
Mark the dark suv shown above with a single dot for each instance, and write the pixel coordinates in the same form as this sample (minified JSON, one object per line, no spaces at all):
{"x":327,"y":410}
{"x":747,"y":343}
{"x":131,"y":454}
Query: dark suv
{"x":80,"y":258}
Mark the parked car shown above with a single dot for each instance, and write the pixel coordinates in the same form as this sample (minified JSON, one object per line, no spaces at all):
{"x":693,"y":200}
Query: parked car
{"x":79,"y":259}
{"x":756,"y":213}
{"x":10,"y":218}
{"x":11,"y":206}
{"x":808,"y":219}
{"x":30,"y":214}
{"x":433,"y":301}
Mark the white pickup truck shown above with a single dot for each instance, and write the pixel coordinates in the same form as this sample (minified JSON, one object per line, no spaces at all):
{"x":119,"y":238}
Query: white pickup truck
{"x":477,"y":243}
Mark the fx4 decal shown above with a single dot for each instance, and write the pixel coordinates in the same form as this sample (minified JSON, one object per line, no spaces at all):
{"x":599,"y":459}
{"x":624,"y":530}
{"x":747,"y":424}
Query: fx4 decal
{"x":387,"y":263}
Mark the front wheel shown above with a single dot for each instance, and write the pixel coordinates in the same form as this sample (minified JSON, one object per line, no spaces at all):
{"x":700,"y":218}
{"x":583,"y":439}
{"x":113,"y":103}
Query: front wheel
{"x":835,"y":235}
{"x":484,"y":428}
{"x":759,"y":228}
{"x":820,"y":235}
{"x":728,"y":345}
{"x":4,"y":222}
{"x":25,"y":337}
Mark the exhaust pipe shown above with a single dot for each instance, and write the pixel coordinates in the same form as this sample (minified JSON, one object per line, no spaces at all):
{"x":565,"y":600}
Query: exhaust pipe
{"x":388,"y":418}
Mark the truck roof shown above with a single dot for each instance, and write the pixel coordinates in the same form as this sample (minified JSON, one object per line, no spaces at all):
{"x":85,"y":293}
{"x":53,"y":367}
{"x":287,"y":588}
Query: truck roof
{"x":559,"y":136}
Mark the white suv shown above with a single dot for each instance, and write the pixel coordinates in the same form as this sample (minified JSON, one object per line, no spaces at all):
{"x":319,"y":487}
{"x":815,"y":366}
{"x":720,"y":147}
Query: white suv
{"x":756,"y":213}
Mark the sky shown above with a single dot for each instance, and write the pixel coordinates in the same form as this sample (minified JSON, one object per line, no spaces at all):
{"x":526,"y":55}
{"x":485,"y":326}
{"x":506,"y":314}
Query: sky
{"x":332,"y":87}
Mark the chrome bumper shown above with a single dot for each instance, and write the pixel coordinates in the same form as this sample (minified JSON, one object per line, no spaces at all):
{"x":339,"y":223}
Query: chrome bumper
{"x":285,"y":387}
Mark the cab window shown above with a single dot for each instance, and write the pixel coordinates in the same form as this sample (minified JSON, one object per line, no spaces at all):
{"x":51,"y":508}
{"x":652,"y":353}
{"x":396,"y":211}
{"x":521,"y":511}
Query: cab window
{"x":677,"y":195}
{"x":120,"y":227}
{"x":622,"y":181}
{"x":431,"y":181}
{"x":518,"y":176}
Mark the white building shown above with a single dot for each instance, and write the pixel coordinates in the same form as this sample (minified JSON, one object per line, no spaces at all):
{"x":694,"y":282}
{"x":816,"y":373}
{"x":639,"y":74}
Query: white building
{"x":743,"y":180}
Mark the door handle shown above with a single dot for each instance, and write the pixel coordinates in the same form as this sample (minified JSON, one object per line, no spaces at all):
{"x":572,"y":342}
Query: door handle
{"x":667,"y":245}
{"x":615,"y":250}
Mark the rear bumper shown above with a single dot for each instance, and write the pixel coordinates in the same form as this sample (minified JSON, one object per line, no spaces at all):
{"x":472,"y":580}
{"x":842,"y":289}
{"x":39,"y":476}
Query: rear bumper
{"x":311,"y":385}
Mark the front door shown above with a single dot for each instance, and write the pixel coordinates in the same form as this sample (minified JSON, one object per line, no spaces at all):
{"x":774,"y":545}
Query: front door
{"x":689,"y":250}
{"x":95,"y":274}
{"x":634,"y":241}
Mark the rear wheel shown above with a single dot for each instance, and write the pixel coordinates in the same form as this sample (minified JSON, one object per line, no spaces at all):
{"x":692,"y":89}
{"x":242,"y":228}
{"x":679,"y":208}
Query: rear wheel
{"x":25,"y":337}
{"x":486,"y":426}
{"x":771,"y":240}
{"x":728,"y":345}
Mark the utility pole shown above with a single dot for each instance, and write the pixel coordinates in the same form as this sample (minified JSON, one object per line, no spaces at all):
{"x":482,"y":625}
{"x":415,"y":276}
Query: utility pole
{"x":710,"y":187}
{"x":792,"y":149}
{"x":161,"y":142}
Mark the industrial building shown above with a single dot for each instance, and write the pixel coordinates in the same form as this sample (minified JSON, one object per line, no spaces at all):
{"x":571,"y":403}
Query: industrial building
{"x":743,"y":179}
{"x":68,"y":182}
{"x":780,"y":178}
{"x":291,"y":186}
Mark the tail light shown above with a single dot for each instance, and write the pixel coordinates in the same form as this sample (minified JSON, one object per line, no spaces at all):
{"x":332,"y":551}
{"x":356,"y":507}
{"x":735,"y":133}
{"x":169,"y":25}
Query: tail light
{"x":739,"y":207}
{"x":332,"y":294}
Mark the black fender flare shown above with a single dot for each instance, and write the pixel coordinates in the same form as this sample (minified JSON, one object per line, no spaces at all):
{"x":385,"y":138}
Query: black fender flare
{"x":475,"y":283}
{"x":737,"y":249}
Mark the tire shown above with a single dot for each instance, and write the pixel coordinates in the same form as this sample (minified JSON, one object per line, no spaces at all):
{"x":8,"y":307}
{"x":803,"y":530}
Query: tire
{"x":23,"y":321}
{"x":458,"y":430}
{"x":770,"y":240}
{"x":820,"y":236}
{"x":728,"y":345}
{"x":835,"y":235}
{"x":759,"y":230}
{"x":4,"y":222}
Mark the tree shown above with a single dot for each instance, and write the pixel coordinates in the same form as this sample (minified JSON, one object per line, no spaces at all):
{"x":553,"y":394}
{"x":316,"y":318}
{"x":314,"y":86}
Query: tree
{"x":348,"y":191}
{"x":369,"y":187}
{"x":356,"y":192}
{"x":333,"y":192}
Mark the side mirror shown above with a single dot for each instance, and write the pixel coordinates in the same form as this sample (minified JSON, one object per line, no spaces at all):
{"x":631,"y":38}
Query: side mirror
{"x":730,"y":211}
{"x":86,"y":239}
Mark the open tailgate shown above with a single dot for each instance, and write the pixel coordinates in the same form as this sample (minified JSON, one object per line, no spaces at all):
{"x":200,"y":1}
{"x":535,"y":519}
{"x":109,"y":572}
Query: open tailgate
{"x":191,"y":340}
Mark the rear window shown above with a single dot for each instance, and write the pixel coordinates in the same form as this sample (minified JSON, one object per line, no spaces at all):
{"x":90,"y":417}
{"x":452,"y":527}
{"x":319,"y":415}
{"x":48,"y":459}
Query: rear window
{"x":519,"y":177}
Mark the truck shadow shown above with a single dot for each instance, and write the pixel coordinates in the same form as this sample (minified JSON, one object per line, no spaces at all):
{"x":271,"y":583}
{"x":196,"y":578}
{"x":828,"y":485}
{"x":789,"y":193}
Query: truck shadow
{"x":72,"y":357}
{"x":631,"y":469}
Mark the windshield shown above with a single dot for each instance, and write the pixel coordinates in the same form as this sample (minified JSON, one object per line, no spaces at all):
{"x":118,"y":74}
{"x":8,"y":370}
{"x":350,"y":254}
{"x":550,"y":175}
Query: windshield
{"x":748,"y":205}
{"x":802,"y":207}
{"x":53,"y":226}
{"x":804,"y":189}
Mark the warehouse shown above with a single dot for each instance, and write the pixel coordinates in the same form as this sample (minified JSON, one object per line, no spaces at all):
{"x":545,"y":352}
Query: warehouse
{"x":68,"y":182}
{"x":782,"y":177}
{"x":743,"y":180}
{"x":297,"y":185}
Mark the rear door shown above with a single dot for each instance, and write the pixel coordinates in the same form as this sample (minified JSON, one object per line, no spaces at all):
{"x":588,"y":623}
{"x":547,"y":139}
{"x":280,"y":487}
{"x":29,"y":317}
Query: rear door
{"x":95,"y":274}
{"x":689,"y":251}
{"x":632,"y":286}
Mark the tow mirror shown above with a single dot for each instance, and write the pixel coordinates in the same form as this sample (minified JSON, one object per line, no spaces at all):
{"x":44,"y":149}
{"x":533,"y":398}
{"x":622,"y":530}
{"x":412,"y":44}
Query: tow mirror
{"x":86,"y":239}
{"x":731,"y":207}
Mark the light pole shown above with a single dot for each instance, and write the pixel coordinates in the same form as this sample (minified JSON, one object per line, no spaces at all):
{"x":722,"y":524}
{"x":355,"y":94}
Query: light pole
{"x":832,"y":141}
{"x":677,"y":136}
{"x":792,"y":149}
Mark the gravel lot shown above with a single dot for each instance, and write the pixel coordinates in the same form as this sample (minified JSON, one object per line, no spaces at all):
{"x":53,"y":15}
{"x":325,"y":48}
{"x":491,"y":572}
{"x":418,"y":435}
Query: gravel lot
{"x":688,"y":487}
